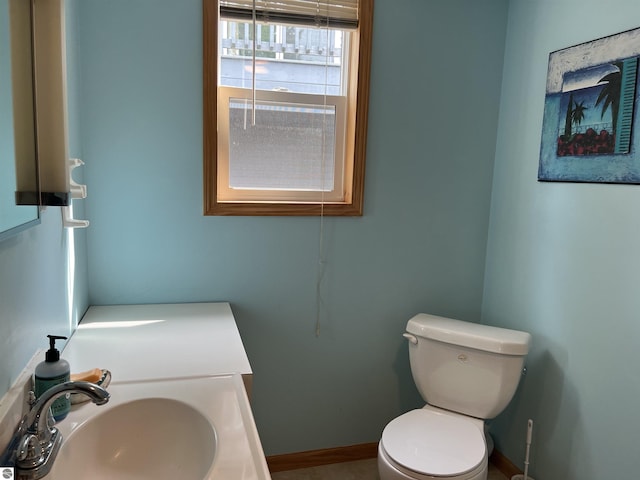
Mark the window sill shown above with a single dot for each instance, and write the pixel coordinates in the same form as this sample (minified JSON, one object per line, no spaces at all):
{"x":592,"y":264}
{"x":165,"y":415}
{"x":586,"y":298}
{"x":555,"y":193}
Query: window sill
{"x":284,"y":209}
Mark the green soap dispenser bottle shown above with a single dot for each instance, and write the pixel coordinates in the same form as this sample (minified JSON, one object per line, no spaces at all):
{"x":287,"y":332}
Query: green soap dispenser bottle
{"x":51,"y":372}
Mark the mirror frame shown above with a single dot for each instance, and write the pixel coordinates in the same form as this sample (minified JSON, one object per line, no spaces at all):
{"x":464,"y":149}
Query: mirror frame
{"x":24,"y":10}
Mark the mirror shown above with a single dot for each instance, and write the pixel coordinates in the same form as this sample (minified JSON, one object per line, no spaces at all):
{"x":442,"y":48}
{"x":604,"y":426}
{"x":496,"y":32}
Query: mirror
{"x":18,"y":166}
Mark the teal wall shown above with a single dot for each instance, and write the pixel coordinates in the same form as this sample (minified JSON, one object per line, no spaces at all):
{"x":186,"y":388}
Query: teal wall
{"x":562,"y":263}
{"x":420,"y":245}
{"x":560,"y":258}
{"x":43,"y":270}
{"x":34,"y":294}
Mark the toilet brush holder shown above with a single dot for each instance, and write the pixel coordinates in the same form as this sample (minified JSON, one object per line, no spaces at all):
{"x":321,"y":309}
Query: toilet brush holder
{"x":526,"y":456}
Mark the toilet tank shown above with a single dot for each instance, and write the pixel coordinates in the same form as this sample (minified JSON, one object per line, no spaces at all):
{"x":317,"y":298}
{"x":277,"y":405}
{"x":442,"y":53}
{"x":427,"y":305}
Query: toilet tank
{"x":465,"y":367}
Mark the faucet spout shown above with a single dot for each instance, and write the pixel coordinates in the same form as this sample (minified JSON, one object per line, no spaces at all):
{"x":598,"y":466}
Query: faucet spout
{"x":34,"y":420}
{"x":36,"y":440}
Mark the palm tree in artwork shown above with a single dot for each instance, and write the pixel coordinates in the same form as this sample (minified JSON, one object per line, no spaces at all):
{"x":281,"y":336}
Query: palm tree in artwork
{"x":577,"y":114}
{"x":568,"y":117}
{"x":610,"y":94}
{"x":574,"y":115}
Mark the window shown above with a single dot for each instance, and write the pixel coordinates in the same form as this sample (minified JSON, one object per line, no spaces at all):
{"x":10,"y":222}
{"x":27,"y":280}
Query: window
{"x":285,"y":122}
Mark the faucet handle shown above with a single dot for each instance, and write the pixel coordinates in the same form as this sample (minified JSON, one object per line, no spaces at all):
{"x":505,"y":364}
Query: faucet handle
{"x":29,"y":449}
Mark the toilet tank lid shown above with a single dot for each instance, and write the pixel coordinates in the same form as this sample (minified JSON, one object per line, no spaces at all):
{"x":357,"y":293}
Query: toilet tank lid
{"x":472,"y":335}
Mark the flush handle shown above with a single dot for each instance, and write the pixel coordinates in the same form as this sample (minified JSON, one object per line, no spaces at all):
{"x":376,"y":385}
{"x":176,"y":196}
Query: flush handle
{"x":411,"y":338}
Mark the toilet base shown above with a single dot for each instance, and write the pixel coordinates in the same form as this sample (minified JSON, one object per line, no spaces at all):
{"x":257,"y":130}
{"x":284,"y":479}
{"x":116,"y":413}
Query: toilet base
{"x":489,"y":439}
{"x":388,"y":470}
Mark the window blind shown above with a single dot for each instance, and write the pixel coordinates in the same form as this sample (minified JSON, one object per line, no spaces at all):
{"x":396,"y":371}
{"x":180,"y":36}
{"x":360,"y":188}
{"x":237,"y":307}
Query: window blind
{"x":333,"y":13}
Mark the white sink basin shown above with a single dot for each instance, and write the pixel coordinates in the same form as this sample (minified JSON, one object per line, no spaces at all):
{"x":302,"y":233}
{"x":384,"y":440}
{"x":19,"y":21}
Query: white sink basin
{"x":197,"y":428}
{"x":155,"y":438}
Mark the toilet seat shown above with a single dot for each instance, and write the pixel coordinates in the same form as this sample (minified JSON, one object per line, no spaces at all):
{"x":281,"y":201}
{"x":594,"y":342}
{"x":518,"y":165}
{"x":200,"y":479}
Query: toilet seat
{"x":434,"y":443}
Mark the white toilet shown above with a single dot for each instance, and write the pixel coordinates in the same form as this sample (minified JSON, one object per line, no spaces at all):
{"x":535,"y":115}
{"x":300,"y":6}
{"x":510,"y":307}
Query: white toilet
{"x":467,"y":373}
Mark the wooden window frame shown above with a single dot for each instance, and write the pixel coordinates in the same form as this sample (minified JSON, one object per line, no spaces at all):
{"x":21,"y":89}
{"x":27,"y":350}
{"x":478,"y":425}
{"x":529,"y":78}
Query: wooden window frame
{"x":356,"y":129}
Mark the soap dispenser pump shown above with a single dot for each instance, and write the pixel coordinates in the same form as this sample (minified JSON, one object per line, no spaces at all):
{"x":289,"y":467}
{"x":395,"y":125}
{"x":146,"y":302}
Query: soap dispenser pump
{"x":53,"y":371}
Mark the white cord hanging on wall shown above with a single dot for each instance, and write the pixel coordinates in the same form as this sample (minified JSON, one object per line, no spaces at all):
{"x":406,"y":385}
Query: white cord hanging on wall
{"x":322,"y":261}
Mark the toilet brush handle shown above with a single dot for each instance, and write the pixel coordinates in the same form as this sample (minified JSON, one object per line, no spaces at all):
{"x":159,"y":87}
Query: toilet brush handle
{"x":526,"y":456}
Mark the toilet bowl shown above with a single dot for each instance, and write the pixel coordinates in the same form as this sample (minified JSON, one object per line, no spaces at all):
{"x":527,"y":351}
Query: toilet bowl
{"x":431,"y":443}
{"x":467,"y":373}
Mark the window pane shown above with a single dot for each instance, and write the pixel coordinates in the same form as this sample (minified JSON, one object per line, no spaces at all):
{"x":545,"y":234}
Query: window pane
{"x":292,"y":59}
{"x":291,"y":146}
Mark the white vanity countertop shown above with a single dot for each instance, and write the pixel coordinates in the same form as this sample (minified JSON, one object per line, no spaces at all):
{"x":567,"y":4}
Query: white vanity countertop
{"x":145,"y":452}
{"x":158,"y":351}
{"x":150,"y":342}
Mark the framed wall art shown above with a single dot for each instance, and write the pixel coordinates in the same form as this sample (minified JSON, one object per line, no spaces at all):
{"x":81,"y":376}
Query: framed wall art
{"x":591,"y":104}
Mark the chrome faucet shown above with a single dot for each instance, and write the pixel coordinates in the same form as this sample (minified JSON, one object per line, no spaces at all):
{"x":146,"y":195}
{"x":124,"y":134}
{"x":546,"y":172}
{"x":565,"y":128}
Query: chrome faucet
{"x":36,"y":441}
